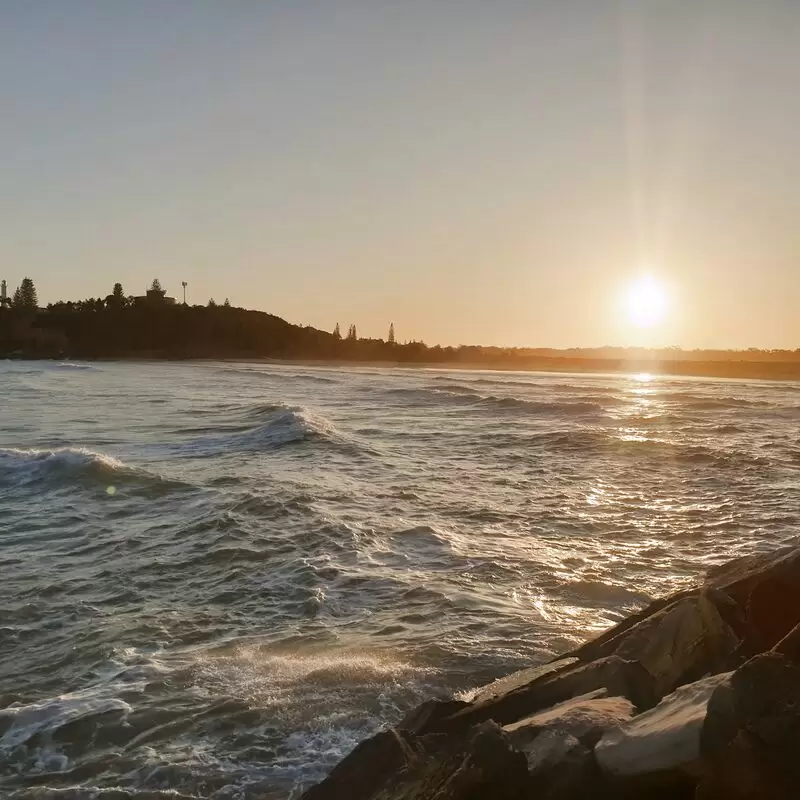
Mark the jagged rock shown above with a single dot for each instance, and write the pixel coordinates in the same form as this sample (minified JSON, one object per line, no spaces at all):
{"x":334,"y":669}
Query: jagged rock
{"x":750,"y":740}
{"x":425,"y":717}
{"x":606,"y":643}
{"x":619,"y":677}
{"x":678,"y":643}
{"x":397,"y":765}
{"x":684,"y":642}
{"x":362,"y":773}
{"x":560,"y":767}
{"x":660,"y":747}
{"x":767,"y":588}
{"x":789,"y":646}
{"x":585,"y":718}
{"x":519,"y":678}
{"x":481,"y":765}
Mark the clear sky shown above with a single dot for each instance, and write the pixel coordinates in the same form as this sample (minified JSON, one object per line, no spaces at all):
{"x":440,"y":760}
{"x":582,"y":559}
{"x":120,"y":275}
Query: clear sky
{"x":477,"y":172}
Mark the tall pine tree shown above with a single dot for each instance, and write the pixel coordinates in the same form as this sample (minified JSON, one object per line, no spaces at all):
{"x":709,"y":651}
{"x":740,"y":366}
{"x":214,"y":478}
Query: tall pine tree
{"x":25,"y":296}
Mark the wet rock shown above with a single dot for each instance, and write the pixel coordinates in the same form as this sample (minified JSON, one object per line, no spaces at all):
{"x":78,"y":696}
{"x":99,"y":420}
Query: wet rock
{"x":431,"y":716}
{"x":364,"y":772}
{"x":585,"y":718}
{"x":661,"y":746}
{"x":426,"y":716}
{"x":616,"y":675}
{"x":750,"y":741}
{"x":520,"y":678}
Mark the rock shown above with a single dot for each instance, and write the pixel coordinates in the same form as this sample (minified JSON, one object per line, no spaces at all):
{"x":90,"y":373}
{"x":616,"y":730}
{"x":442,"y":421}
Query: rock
{"x":750,"y":741}
{"x":560,"y":767}
{"x":426,"y":716}
{"x":362,"y":773}
{"x":789,"y":646}
{"x":681,"y":643}
{"x":585,"y":718}
{"x":618,"y":676}
{"x":481,"y":765}
{"x":607,"y":642}
{"x":661,"y":745}
{"x":767,"y":588}
{"x":520,"y":678}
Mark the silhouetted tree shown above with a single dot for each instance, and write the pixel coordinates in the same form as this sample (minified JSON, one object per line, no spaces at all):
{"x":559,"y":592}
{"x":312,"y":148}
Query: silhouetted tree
{"x":227,"y":303}
{"x":25,"y":296}
{"x":352,"y":335}
{"x":117,"y":298}
{"x":155,"y":286}
{"x":337,"y":334}
{"x":212,"y":303}
{"x":391,"y":333}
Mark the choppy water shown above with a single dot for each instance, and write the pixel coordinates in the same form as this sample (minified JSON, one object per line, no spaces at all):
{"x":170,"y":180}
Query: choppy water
{"x":217,"y":577}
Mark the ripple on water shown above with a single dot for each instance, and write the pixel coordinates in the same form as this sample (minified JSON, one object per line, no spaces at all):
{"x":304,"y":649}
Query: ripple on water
{"x":291,"y":558}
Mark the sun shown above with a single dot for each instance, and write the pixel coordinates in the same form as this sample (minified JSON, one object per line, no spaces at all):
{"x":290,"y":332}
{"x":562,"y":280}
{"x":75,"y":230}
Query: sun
{"x":646,"y":302}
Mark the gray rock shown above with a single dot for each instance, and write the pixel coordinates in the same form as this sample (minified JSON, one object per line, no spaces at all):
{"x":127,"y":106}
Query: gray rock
{"x":585,"y":718}
{"x":480,"y":765}
{"x":662,"y":741}
{"x":364,"y":771}
{"x":767,"y":588}
{"x":616,"y":675}
{"x":750,"y":741}
{"x":684,"y":642}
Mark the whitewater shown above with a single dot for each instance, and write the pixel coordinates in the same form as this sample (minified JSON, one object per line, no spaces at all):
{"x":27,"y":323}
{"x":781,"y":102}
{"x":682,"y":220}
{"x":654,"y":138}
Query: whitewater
{"x":216,"y":578}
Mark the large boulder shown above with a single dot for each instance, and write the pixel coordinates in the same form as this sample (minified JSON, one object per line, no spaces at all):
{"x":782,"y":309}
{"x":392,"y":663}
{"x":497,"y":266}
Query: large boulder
{"x":585,"y":718}
{"x":560,"y":767}
{"x":397,"y":765}
{"x":678,"y":643}
{"x":662,"y":746}
{"x":750,"y":742}
{"x":362,"y":773}
{"x":766,"y":588}
{"x":619,"y":677}
{"x":480,"y":765}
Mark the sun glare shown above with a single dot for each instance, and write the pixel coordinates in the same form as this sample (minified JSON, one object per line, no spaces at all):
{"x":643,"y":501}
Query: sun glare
{"x":646,"y":302}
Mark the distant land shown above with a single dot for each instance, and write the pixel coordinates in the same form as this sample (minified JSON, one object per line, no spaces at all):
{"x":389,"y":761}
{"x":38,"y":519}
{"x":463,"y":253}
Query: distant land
{"x":156,"y":327}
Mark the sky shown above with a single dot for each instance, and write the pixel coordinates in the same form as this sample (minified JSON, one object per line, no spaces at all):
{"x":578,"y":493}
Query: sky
{"x":476,"y":172}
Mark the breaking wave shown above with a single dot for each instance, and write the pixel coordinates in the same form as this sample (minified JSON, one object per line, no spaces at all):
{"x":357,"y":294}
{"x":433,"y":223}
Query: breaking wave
{"x":72,"y":466}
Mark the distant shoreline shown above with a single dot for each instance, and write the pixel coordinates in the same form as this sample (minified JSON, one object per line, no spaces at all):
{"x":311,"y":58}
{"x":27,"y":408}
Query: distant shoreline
{"x":744,"y":370}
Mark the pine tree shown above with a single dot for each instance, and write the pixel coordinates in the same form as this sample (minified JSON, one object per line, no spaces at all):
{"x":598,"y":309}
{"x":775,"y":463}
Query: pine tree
{"x":25,"y":296}
{"x":155,"y":286}
{"x":227,"y":303}
{"x":352,"y":335}
{"x":212,"y":303}
{"x":337,"y":334}
{"x":391,"y":333}
{"x":118,"y":297}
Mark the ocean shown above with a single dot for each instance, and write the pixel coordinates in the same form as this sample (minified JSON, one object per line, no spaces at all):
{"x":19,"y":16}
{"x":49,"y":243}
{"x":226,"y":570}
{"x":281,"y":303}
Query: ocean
{"x":215,"y":578}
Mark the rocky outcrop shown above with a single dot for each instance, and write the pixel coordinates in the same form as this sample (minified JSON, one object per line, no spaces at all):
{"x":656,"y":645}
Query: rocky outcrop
{"x":695,"y":696}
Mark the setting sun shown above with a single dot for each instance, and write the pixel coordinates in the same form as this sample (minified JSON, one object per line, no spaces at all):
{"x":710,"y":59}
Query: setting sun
{"x":646,"y":302}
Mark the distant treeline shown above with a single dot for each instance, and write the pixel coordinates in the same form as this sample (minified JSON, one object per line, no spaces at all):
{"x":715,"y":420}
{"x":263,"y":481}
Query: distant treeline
{"x":155,"y":326}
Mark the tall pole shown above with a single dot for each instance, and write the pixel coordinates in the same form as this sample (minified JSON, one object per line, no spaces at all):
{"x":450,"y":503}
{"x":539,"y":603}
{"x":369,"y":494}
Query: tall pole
{"x":183,"y":283}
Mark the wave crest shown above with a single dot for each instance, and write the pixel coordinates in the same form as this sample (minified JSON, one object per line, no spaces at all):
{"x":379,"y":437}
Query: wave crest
{"x":68,"y":466}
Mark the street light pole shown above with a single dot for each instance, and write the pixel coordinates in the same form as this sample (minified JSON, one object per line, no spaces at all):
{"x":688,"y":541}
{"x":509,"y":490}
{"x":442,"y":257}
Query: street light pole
{"x":184,"y":284}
